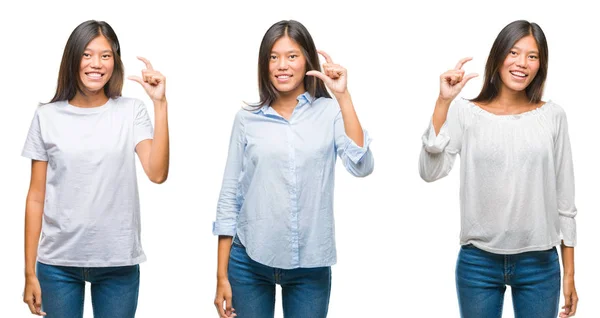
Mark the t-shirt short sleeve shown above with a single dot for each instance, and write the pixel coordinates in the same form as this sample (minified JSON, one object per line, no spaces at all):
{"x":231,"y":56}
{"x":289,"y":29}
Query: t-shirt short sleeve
{"x":142,"y":129}
{"x":34,"y":145}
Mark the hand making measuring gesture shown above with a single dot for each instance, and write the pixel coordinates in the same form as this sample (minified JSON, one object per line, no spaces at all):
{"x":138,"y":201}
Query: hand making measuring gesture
{"x":152,"y":81}
{"x":334,"y":75}
{"x":453,"y":81}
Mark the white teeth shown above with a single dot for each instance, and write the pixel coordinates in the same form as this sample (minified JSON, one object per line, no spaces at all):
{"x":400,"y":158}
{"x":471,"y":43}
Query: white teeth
{"x":283,"y":76}
{"x":520,"y":74}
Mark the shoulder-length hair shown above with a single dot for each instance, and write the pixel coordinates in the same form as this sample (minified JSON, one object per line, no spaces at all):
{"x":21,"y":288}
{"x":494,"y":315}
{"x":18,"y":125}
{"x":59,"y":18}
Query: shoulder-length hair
{"x":505,"y":41}
{"x":299,"y":34}
{"x":69,"y":81}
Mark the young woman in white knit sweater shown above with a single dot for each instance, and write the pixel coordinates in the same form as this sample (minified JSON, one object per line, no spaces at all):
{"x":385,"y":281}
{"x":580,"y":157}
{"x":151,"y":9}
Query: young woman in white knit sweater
{"x":517,"y":188}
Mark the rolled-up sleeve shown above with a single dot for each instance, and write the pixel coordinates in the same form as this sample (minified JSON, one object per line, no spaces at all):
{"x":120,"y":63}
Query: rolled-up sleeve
{"x":357,"y":160}
{"x":565,"y":182}
{"x":228,"y":206}
{"x":439,"y":151}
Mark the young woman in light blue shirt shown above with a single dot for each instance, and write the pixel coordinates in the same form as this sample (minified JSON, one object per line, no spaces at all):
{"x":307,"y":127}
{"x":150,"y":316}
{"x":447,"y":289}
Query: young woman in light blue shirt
{"x":275,"y":210}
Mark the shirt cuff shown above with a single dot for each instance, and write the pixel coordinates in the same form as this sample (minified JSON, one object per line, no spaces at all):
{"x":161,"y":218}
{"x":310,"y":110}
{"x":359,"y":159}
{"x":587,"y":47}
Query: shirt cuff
{"x":34,"y":156}
{"x":221,"y":229}
{"x":143,"y":137}
{"x":568,"y":230}
{"x":433,"y":143}
{"x":354,"y":152}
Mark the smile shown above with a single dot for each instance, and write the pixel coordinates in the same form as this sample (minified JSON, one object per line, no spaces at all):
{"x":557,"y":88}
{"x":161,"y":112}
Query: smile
{"x":94,"y":75}
{"x":283,"y":78}
{"x":518,"y":74}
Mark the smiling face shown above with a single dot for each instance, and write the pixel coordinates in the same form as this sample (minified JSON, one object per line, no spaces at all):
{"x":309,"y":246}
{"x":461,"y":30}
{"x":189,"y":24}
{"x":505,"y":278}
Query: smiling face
{"x":287,"y":67}
{"x":97,"y":65}
{"x":521,"y":64}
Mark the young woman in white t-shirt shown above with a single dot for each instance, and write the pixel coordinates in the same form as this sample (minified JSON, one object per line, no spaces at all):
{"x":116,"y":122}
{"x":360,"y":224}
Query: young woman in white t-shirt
{"x":83,"y":196}
{"x":517,"y":188}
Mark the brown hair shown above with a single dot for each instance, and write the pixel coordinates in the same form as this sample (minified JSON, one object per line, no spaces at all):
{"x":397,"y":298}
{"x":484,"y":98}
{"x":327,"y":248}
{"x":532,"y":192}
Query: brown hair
{"x":501,"y":48}
{"x":69,"y":81}
{"x":299,"y":34}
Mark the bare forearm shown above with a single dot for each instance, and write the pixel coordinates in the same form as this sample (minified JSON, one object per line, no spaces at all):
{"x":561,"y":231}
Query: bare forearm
{"x":440,"y":113}
{"x":568,"y":260}
{"x":223,"y":256}
{"x":351,"y":124}
{"x":33,"y":226}
{"x":159,"y":153}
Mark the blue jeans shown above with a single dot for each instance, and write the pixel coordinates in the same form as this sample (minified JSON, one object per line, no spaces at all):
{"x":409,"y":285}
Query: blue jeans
{"x":305,"y":291}
{"x":481,"y":279}
{"x":114,"y":290}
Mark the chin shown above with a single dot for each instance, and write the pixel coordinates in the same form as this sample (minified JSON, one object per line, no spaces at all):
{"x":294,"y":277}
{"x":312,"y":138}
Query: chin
{"x":286,"y":88}
{"x":93,"y":90}
{"x":518,"y":88}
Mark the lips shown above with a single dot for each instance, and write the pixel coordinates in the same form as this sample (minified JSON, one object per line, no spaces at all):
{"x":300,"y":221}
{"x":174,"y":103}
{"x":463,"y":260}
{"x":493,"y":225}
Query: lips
{"x":282,"y":78}
{"x":518,"y":74}
{"x":94,"y":75}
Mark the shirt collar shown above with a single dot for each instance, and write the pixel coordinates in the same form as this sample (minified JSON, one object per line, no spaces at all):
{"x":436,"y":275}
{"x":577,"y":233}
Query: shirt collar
{"x":305,"y":98}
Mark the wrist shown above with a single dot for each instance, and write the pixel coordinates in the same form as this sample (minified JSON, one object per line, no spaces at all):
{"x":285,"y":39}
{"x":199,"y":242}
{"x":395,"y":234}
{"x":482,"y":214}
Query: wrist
{"x":160,"y":103}
{"x":442,"y":102}
{"x":343,"y":96}
{"x":569,"y":274}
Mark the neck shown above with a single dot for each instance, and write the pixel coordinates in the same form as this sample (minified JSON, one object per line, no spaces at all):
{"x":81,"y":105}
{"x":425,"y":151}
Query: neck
{"x":507,"y":98}
{"x":288,"y":100}
{"x":91,"y":99}
{"x":285,"y":102}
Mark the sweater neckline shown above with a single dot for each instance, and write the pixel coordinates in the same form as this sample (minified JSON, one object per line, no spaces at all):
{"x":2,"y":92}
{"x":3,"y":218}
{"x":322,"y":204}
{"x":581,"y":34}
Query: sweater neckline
{"x":528,"y":113}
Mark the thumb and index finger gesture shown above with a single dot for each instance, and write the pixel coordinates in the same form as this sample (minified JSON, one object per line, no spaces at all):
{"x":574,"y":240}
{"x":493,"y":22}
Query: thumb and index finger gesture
{"x":151,"y":80}
{"x":334,"y":75}
{"x":453,"y":81}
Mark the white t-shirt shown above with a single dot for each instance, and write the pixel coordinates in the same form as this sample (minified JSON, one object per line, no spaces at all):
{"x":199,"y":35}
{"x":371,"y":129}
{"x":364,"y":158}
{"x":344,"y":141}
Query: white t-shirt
{"x":516,"y":176}
{"x":92,"y":210}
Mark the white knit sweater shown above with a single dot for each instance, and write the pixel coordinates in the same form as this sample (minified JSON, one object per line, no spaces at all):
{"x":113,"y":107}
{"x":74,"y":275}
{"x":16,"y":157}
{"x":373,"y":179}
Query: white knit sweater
{"x":516,"y":176}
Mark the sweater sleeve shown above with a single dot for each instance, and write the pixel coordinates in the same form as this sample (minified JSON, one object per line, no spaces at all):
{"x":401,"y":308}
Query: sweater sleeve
{"x":439,"y":151}
{"x":565,"y":181}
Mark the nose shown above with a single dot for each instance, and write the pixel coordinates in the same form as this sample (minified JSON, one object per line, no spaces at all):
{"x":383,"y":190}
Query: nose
{"x":96,"y":61}
{"x":282,"y":64}
{"x":522,"y":60}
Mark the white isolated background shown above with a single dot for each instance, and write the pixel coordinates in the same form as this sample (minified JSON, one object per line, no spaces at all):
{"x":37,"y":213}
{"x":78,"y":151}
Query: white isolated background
{"x":397,"y":236}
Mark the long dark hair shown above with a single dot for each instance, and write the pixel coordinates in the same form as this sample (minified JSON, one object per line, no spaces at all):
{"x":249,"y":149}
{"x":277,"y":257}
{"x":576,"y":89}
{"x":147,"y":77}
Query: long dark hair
{"x":299,"y":34}
{"x":502,"y":45}
{"x":69,"y":81}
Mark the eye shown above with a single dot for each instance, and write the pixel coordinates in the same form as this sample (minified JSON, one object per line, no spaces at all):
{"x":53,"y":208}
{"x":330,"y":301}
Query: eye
{"x":293,"y":56}
{"x":86,"y":55}
{"x":273,"y":57}
{"x":106,"y":56}
{"x":513,"y":53}
{"x":533,"y":57}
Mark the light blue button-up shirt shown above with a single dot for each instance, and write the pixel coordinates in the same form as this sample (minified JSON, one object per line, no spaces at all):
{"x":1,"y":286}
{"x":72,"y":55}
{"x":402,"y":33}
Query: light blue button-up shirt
{"x":277,"y":192}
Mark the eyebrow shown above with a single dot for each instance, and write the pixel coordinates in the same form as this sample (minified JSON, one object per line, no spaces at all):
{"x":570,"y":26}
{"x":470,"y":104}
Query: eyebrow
{"x":532,"y":51}
{"x":288,"y":52}
{"x":105,"y":51}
